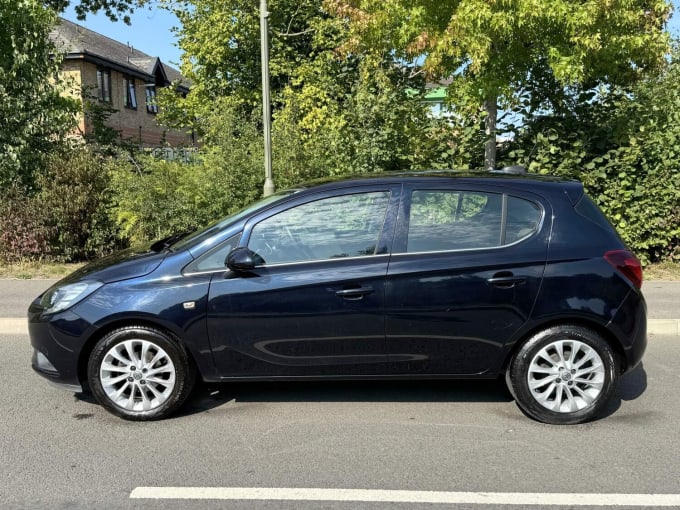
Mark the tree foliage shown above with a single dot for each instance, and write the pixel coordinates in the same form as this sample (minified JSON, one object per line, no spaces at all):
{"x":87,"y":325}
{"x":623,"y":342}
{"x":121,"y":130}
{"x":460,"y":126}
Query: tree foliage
{"x":493,"y":50}
{"x":34,"y":115}
{"x":343,"y":112}
{"x":585,"y":87}
{"x":623,"y":145}
{"x":220,"y":41}
{"x":114,"y":9}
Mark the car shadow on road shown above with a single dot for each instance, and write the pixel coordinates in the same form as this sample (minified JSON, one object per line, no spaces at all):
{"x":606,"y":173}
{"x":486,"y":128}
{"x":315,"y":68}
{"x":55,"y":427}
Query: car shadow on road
{"x":209,"y":396}
{"x":630,"y":386}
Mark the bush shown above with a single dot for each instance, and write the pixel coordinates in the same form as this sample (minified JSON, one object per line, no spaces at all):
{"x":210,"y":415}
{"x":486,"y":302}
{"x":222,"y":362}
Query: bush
{"x":75,"y":199}
{"x":623,"y":146}
{"x":23,"y":231}
{"x":637,"y":185}
{"x":156,"y":198}
{"x":638,"y":188}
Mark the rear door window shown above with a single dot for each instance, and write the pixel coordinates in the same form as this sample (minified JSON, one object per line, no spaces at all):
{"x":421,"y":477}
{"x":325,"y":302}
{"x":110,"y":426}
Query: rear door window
{"x":449,"y":220}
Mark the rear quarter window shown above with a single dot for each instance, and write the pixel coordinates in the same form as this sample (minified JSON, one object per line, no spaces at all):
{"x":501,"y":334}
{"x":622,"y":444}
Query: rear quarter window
{"x":590,"y":211}
{"x":523,"y":219}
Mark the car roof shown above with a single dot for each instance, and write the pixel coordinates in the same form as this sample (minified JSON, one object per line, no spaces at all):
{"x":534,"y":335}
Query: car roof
{"x":523,"y":181}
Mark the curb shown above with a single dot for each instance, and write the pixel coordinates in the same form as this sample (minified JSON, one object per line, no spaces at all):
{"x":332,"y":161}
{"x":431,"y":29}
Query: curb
{"x":19,"y":326}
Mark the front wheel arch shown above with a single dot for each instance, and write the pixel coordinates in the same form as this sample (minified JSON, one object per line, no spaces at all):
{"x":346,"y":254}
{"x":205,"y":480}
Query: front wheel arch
{"x":87,"y":349}
{"x":169,"y":380}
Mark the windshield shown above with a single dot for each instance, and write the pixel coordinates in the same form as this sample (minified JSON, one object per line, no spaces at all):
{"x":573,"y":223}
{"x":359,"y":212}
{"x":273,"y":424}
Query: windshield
{"x":203,"y":234}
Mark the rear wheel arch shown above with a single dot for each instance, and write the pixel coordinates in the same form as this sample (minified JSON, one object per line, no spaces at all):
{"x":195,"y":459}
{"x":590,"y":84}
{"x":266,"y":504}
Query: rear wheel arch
{"x":608,"y":336}
{"x":563,"y":374}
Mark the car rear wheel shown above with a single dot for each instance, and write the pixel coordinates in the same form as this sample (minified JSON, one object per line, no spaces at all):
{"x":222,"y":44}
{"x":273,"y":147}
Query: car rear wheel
{"x":140,"y":373}
{"x":563,"y":375}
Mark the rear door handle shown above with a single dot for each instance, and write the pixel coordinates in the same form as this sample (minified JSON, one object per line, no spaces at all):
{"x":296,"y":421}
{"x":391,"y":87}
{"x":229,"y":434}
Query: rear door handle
{"x":354,"y":293}
{"x":506,"y":280}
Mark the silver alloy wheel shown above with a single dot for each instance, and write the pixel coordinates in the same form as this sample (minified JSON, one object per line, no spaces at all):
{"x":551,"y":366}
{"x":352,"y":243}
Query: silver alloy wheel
{"x":137,"y":375}
{"x":566,"y":376}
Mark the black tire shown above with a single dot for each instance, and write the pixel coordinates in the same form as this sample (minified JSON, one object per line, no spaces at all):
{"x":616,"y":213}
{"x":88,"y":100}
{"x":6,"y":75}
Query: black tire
{"x":170,"y":379}
{"x":565,"y":392}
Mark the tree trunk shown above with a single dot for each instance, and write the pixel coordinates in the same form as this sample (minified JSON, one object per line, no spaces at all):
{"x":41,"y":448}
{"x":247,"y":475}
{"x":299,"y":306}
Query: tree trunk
{"x":491,"y":108}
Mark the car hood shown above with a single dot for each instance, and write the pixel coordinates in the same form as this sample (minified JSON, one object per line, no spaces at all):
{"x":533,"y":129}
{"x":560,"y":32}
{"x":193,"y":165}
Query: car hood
{"x":122,"y":265}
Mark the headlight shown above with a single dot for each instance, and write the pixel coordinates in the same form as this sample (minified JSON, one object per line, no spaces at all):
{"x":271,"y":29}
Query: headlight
{"x":58,"y":299}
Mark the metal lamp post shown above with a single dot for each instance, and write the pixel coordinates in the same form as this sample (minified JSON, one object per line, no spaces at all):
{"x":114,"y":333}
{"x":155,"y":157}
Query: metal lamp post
{"x":266,"y":106}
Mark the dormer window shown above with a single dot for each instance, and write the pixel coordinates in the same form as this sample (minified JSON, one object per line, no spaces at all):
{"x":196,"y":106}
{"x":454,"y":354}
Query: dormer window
{"x":151,"y":106}
{"x":129,"y":93}
{"x":104,"y":84}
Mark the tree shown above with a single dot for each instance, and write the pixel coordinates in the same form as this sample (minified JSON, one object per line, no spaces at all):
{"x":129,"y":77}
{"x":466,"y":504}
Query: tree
{"x":220,"y":41}
{"x":34,"y":115}
{"x":114,"y":9}
{"x":493,"y":50}
{"x":357,"y":114}
{"x":338,"y":112}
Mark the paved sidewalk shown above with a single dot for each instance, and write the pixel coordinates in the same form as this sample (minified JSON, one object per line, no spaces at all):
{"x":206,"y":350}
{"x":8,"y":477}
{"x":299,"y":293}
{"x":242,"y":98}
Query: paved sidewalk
{"x":663,"y":305}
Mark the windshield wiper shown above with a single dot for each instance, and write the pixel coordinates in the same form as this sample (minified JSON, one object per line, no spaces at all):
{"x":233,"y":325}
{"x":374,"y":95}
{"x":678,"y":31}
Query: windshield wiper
{"x":166,"y":242}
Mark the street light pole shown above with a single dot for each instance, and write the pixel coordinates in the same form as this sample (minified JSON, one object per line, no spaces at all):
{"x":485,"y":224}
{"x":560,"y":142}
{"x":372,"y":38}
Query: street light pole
{"x":266,"y":106}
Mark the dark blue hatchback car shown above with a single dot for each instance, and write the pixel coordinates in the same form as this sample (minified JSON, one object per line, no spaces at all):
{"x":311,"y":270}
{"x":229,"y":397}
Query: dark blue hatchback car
{"x":430,"y":275}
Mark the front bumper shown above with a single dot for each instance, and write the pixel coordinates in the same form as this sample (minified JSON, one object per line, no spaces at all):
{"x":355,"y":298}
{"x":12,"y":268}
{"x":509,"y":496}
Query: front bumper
{"x":57,"y":341}
{"x":43,"y":367}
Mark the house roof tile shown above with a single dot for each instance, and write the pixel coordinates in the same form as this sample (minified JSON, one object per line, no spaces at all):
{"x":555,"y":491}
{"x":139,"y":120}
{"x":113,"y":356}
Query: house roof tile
{"x":77,"y":41}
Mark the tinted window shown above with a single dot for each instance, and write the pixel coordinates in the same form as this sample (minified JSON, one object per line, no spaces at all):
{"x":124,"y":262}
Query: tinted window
{"x":336,"y":227}
{"x":523,"y":218}
{"x":466,"y":220}
{"x":587,"y":208}
{"x":201,"y":235}
{"x":454,"y":220}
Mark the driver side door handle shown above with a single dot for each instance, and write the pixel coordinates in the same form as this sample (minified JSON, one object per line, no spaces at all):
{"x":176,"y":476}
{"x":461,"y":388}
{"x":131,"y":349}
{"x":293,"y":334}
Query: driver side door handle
{"x":354,"y":293}
{"x":506,"y":280}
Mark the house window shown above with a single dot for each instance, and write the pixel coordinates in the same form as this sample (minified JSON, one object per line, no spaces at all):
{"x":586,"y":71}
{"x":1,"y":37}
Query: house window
{"x":151,"y":105}
{"x":104,"y":84}
{"x":129,"y":94}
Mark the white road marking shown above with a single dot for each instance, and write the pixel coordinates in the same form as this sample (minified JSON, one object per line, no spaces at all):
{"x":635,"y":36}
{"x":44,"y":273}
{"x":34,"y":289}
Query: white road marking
{"x":403,"y":496}
{"x":13,"y":326}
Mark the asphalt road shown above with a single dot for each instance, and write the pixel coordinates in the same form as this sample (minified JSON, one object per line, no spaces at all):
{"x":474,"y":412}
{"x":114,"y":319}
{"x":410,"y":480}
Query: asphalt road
{"x":16,"y":295}
{"x":663,"y":299}
{"x":61,"y":451}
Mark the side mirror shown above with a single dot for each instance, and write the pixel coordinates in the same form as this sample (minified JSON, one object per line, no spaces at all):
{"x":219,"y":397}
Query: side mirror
{"x":242,"y":259}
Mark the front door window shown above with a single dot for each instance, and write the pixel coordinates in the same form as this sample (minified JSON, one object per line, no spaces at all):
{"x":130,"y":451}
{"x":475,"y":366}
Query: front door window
{"x":330,"y":228}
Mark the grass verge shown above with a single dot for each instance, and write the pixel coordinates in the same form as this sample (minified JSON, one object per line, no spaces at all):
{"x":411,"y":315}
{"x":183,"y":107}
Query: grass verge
{"x":36,"y":270}
{"x":663,"y":271}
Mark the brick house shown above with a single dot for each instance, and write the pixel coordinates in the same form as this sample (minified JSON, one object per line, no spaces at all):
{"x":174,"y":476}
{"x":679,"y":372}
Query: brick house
{"x":123,"y":77}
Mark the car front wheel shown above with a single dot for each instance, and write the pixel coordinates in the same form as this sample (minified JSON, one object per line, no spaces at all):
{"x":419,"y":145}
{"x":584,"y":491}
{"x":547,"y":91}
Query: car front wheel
{"x":563,"y":375}
{"x":140,"y":373}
